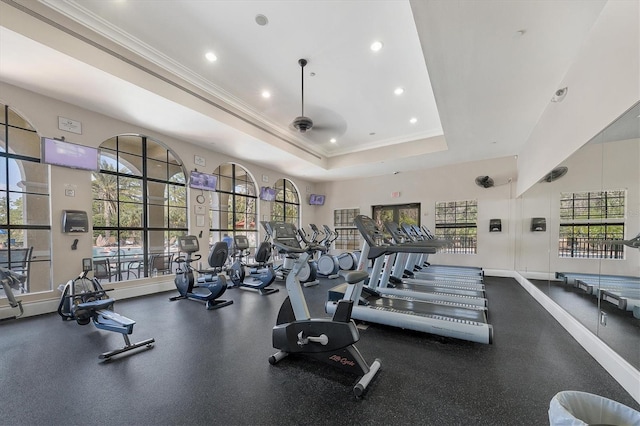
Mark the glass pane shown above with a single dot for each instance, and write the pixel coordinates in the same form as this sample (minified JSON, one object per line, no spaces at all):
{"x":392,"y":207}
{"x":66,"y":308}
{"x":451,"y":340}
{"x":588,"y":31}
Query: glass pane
{"x":130,"y":164}
{"x":157,"y":170}
{"x":176,"y":174}
{"x":225,"y":184}
{"x":17,"y":121}
{"x":3,"y":128}
{"x":171,"y":159}
{"x":130,"y":215}
{"x":31,"y":209}
{"x":35,"y":179}
{"x":156,"y":193}
{"x":24,"y":142}
{"x":177,"y":217}
{"x":108,"y":160}
{"x":177,"y":195}
{"x":157,"y":216}
{"x":156,"y":152}
{"x":104,"y":186}
{"x":130,"y":144}
{"x":130,"y":189}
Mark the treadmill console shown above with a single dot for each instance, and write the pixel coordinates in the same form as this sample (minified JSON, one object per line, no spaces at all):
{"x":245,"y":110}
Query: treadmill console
{"x":188,"y":243}
{"x":369,"y":231}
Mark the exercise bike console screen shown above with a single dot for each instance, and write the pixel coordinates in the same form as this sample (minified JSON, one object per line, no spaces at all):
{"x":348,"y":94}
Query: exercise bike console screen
{"x":188,"y":243}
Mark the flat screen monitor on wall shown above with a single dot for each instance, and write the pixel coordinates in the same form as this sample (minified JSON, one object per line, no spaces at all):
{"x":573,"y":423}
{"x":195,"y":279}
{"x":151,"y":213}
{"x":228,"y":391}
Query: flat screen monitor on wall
{"x":66,"y":154}
{"x":204,"y":181}
{"x":316,"y":200}
{"x":267,"y":194}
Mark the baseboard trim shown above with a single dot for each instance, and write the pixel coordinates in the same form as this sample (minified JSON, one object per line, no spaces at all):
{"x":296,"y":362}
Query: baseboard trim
{"x":48,"y":306}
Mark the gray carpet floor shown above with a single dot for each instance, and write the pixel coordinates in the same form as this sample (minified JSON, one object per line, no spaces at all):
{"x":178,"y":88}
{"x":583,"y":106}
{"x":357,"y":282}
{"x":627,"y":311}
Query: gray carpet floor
{"x":210,"y":367}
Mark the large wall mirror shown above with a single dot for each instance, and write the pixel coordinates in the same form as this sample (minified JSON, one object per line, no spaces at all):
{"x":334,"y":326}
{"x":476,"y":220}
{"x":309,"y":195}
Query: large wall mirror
{"x":592,"y":215}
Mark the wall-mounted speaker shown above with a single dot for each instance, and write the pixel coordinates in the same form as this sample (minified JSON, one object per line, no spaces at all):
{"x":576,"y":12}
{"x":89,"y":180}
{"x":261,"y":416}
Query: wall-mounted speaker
{"x":538,"y":224}
{"x":495,"y":225}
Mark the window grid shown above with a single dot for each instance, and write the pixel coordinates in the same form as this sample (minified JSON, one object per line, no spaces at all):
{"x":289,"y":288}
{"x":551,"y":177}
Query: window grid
{"x":457,"y":222}
{"x":24,"y":203}
{"x":588,"y":223}
{"x":139,"y":205}
{"x":286,"y":207}
{"x":348,"y":235}
{"x":235,"y":210}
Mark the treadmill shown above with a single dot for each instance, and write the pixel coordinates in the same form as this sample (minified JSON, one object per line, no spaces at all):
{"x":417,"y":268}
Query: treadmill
{"x":458,"y":321}
{"x":415,"y":233}
{"x":387,"y":283}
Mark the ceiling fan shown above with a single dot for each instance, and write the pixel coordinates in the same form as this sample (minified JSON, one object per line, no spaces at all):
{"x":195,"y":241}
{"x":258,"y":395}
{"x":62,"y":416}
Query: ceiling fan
{"x":302,"y":123}
{"x":485,"y":181}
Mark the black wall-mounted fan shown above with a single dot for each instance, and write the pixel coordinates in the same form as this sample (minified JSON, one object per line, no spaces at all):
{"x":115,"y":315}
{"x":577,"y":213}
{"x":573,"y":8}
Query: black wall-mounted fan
{"x":484,"y":181}
{"x":555,"y":174}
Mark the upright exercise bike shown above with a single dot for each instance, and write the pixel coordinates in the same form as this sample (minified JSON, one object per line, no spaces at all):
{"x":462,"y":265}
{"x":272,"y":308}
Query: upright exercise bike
{"x":261,"y":273}
{"x":211,"y":283}
{"x":328,"y":340}
{"x":84,"y":300}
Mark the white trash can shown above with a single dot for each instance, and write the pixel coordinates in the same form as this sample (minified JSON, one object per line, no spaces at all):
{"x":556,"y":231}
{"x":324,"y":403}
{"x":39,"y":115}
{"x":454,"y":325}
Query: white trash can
{"x":573,"y":408}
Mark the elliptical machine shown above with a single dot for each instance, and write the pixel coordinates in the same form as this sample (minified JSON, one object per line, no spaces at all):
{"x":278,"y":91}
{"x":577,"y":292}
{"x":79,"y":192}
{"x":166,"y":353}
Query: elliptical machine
{"x":309,"y":272}
{"x":348,"y":261}
{"x":328,"y":340}
{"x":211,"y":283}
{"x":328,"y":264}
{"x":84,"y":300}
{"x":261,"y":273}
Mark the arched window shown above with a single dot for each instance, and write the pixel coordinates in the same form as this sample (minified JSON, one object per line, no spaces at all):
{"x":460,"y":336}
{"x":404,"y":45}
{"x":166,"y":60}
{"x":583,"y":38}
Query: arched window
{"x":139,"y":208}
{"x":25,"y":225}
{"x":234,"y":206}
{"x":286,"y":207}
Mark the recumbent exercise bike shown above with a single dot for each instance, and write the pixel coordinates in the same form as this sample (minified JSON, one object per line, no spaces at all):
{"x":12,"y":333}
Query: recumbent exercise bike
{"x":211,"y":283}
{"x":261,"y":273}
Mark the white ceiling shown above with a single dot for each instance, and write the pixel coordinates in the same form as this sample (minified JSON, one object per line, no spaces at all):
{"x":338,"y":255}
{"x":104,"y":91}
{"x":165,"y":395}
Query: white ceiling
{"x":493,"y":67}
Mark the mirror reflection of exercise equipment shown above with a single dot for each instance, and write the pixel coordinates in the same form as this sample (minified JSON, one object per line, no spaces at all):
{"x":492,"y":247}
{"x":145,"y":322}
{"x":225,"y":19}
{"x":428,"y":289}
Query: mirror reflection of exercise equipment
{"x":84,"y":300}
{"x":211,"y":283}
{"x":11,"y":281}
{"x":261,"y":273}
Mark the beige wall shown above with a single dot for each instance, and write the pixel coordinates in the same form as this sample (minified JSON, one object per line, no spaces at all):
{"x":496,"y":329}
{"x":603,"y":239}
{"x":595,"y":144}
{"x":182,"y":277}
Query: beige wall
{"x":603,"y":82}
{"x":42,"y":113}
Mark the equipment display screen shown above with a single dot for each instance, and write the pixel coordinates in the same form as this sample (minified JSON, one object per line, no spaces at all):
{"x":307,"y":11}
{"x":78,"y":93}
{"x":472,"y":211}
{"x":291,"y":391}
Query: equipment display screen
{"x":65,"y":154}
{"x":316,"y":200}
{"x":203,"y":181}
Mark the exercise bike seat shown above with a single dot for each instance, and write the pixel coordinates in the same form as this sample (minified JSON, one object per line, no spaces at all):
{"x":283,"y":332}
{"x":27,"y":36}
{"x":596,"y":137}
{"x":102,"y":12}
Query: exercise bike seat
{"x":356,"y":276}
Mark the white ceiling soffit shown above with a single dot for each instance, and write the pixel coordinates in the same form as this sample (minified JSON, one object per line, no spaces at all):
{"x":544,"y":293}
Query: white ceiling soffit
{"x":491,"y":82}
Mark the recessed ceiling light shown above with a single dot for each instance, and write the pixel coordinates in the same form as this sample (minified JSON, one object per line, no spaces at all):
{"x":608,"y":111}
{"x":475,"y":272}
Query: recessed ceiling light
{"x":266,"y":94}
{"x":413,"y":120}
{"x":333,"y":140}
{"x":261,"y":20}
{"x":399,"y":91}
{"x":211,"y":57}
{"x":376,"y":45}
{"x":372,"y":133}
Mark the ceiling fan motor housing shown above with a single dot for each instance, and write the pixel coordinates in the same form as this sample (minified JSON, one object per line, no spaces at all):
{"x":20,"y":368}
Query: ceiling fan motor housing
{"x":302,"y":123}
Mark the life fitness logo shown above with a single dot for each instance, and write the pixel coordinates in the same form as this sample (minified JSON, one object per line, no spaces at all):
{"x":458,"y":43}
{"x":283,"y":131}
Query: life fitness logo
{"x":342,"y":360}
